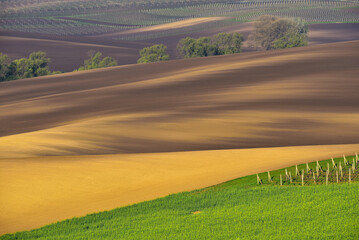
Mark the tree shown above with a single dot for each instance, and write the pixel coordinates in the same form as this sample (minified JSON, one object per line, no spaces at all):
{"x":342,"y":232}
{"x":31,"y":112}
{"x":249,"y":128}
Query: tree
{"x":205,"y":47}
{"x":94,"y":60}
{"x":201,"y":47}
{"x":34,"y":66}
{"x":5,"y":63}
{"x":97,"y":61}
{"x":186,"y":47}
{"x":22,"y":67}
{"x":290,"y":40}
{"x":271,"y":30}
{"x":229,"y":43}
{"x":222,"y":43}
{"x":39,"y":64}
{"x":107,"y":62}
{"x":155,"y":53}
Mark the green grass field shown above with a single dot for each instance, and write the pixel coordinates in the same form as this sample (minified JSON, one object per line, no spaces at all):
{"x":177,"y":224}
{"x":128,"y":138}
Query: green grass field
{"x":238,"y":209}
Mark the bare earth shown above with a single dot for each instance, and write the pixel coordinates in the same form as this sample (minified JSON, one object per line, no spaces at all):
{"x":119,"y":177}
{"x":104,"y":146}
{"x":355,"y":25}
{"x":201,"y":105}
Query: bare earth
{"x":292,"y":97}
{"x":83,"y":142}
{"x":334,"y":32}
{"x":167,"y":26}
{"x":43,"y":190}
{"x":68,"y":55}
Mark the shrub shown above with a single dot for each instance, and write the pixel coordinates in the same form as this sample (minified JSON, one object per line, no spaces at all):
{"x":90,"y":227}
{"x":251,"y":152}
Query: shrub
{"x":155,"y":53}
{"x":271,"y":32}
{"x":228,"y":43}
{"x":5,"y":68}
{"x":97,"y":61}
{"x":290,"y":40}
{"x":222,"y":43}
{"x":34,"y":66}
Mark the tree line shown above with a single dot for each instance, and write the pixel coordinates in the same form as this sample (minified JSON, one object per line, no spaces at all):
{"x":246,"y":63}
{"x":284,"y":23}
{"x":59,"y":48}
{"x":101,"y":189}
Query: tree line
{"x":270,"y":32}
{"x":220,"y":44}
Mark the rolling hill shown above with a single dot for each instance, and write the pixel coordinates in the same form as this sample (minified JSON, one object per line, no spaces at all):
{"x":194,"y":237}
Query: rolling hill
{"x":69,"y":52}
{"x":303,"y":96}
{"x":89,"y":141}
{"x":239,"y":208}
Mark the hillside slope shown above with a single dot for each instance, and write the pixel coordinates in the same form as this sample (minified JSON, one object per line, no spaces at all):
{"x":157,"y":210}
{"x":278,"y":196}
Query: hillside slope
{"x":43,"y":190}
{"x":238,"y":209}
{"x":300,"y":96}
{"x":83,"y":142}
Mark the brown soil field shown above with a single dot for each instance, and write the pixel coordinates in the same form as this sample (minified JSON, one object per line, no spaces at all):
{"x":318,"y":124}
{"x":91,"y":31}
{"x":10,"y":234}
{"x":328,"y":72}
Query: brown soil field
{"x":166,"y":26}
{"x":43,"y":190}
{"x":333,"y":32}
{"x":95,"y":22}
{"x":67,"y":55}
{"x":290,"y":97}
{"x":82,"y":142}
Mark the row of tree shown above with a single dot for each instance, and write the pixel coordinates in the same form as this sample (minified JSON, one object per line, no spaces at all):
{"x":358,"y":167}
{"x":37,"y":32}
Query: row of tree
{"x":222,"y":43}
{"x":37,"y":64}
{"x":270,"y":32}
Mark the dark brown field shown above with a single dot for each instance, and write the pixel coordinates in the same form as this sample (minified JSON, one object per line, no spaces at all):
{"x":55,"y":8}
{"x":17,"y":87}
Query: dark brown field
{"x":334,"y":32}
{"x":68,"y":53}
{"x":300,"y":96}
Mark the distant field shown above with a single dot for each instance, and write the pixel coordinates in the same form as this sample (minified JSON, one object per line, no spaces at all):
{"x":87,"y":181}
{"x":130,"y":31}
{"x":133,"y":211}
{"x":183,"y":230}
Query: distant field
{"x":168,"y":26}
{"x":235,"y":209}
{"x":90,"y":17}
{"x":153,"y":22}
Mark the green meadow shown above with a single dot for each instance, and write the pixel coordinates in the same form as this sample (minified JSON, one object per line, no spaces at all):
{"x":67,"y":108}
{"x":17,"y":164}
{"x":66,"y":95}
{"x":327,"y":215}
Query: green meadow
{"x":238,"y":209}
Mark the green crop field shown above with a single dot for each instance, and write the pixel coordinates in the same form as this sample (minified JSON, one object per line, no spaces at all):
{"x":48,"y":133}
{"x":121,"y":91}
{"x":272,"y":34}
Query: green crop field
{"x":91,"y":17}
{"x":238,"y":209}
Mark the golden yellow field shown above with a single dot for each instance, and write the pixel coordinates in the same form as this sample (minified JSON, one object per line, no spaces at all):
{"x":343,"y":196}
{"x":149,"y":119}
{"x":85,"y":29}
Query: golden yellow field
{"x":82,"y":142}
{"x":42,"y":190}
